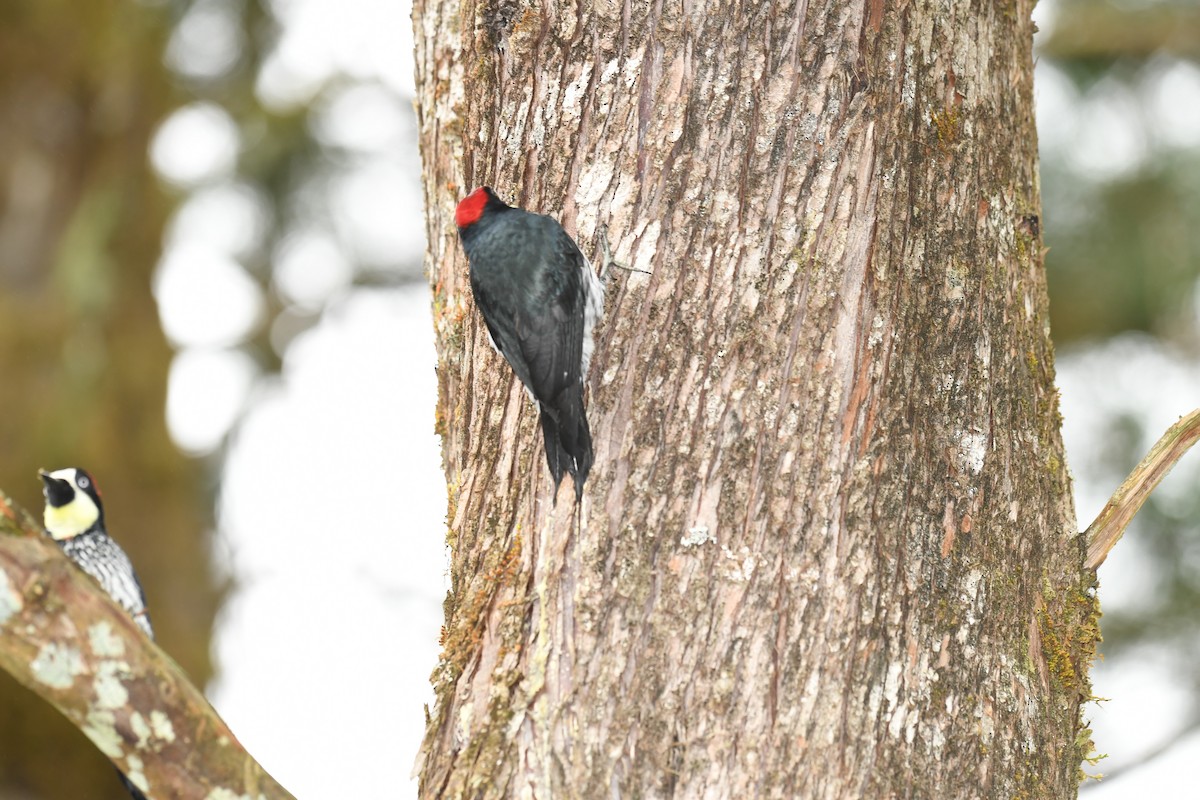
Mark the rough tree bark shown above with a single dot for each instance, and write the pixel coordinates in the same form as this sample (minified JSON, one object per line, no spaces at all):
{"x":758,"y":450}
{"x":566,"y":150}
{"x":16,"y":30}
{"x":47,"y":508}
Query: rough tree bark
{"x":828,"y":548}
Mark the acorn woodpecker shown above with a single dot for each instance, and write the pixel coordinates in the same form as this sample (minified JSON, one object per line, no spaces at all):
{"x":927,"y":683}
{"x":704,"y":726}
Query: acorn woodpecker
{"x":74,"y":517}
{"x":540,"y":300}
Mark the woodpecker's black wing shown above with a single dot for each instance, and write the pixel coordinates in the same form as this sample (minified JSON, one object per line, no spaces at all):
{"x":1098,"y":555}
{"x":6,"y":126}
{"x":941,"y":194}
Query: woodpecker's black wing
{"x":528,"y":281}
{"x":551,"y":345}
{"x":501,"y":323}
{"x":550,"y":338}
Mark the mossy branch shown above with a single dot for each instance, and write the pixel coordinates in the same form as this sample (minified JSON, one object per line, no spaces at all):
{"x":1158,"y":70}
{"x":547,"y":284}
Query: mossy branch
{"x":66,"y":640}
{"x":1110,"y":524}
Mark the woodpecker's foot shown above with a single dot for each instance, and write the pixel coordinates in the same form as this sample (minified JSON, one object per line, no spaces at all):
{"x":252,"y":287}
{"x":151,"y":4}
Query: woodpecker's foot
{"x":606,"y":257}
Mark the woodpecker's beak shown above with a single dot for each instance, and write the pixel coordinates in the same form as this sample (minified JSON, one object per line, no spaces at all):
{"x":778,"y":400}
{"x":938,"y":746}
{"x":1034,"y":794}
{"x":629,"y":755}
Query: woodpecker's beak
{"x":57,"y":491}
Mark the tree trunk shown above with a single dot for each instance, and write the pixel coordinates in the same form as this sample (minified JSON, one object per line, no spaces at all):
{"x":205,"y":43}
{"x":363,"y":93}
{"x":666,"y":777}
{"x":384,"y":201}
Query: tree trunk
{"x":828,"y":547}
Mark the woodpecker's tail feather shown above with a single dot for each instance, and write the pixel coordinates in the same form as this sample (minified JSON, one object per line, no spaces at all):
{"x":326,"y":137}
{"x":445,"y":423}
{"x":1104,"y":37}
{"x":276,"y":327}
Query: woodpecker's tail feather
{"x":583,"y":457}
{"x":568,"y":440}
{"x":556,"y":457}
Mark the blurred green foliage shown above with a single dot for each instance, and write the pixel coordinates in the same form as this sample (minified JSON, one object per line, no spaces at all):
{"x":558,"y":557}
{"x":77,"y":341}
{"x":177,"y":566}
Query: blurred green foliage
{"x":1124,"y":248}
{"x":1123,"y":255}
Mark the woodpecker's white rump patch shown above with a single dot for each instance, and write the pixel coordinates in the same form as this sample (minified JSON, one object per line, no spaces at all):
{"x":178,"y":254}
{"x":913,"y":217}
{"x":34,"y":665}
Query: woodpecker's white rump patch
{"x":593,"y":310}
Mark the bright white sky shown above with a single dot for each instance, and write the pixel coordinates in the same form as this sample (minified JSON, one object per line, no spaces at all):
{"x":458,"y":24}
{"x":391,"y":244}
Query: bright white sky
{"x":333,"y":523}
{"x":1135,"y":376}
{"x":331,"y":518}
{"x":332,"y":515}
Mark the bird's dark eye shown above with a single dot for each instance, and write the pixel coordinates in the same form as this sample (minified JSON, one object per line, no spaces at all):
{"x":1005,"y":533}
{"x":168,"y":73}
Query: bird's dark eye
{"x":83,"y":482}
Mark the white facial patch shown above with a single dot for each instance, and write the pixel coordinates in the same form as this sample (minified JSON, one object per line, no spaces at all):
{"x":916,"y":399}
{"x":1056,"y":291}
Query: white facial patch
{"x":76,"y":516}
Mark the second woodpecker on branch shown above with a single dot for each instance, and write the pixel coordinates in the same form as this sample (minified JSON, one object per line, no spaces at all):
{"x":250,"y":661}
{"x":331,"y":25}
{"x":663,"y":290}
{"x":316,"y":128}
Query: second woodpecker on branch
{"x":540,"y":300}
{"x":74,"y":517}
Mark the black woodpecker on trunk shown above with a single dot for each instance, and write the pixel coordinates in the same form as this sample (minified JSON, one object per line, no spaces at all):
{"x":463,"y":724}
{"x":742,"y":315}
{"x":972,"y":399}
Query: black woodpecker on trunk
{"x":540,"y":301}
{"x":74,"y":517}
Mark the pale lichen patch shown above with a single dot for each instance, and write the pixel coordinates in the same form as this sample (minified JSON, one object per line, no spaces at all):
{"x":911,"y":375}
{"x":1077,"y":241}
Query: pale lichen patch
{"x":897,"y":724}
{"x":133,"y":771}
{"x":633,"y":69}
{"x":160,"y":723}
{"x":137,"y":723}
{"x":610,"y":71}
{"x":954,"y":288}
{"x":972,"y":447}
{"x":101,"y":728}
{"x":742,"y":568}
{"x":462,"y":731}
{"x":574,"y":92}
{"x":110,"y":692}
{"x":105,"y":642}
{"x":876,"y":335}
{"x":10,"y":601}
{"x":891,"y":687}
{"x":57,"y":665}
{"x":221,"y":793}
{"x":908,"y":90}
{"x":972,"y":584}
{"x":696,"y":536}
{"x":937,"y":739}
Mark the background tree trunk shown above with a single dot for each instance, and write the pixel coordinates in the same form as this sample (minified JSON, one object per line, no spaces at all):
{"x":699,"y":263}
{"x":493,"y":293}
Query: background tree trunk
{"x":828,"y":548}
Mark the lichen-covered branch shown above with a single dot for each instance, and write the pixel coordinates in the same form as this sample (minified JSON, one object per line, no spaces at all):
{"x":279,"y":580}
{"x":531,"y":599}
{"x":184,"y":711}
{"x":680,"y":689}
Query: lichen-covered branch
{"x":64,"y":639}
{"x":1110,"y":524}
